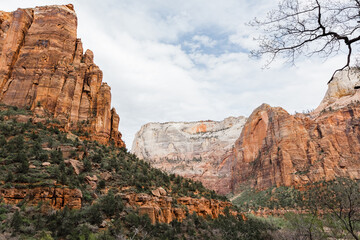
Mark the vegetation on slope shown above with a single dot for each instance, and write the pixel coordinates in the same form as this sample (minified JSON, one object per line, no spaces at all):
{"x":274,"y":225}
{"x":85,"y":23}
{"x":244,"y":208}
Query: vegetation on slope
{"x":322,"y":210}
{"x":27,"y":142}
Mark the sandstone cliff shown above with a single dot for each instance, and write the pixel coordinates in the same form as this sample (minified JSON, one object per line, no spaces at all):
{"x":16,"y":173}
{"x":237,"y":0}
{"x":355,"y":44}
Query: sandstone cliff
{"x":197,"y":150}
{"x":276,"y":148}
{"x":42,"y":65}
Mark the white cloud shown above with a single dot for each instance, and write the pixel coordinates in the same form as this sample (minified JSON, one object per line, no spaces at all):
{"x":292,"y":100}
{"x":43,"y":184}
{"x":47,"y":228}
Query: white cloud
{"x":204,"y":40}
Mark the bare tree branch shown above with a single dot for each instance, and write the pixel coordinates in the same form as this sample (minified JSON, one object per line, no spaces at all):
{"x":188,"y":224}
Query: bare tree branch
{"x":306,"y":28}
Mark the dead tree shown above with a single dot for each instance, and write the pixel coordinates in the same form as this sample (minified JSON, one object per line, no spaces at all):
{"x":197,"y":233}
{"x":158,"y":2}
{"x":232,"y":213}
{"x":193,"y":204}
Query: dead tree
{"x":310,"y":27}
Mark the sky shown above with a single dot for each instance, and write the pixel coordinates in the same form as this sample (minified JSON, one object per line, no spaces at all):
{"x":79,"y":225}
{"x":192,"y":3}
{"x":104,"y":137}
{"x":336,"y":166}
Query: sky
{"x":188,"y":60}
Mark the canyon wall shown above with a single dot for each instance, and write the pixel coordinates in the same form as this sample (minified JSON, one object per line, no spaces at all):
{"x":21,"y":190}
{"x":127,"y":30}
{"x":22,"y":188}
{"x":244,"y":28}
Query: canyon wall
{"x":198,"y":150}
{"x":279,"y":149}
{"x":43,"y":67}
{"x":273,"y":147}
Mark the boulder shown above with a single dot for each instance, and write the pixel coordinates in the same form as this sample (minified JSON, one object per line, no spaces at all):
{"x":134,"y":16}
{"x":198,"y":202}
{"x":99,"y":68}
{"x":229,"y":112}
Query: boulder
{"x":76,"y":165}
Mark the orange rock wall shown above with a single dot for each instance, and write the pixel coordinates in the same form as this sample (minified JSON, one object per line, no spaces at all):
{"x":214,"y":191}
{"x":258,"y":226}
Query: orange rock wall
{"x":159,"y":209}
{"x":42,"y":63}
{"x":58,"y":198}
{"x":162,"y":209}
{"x":276,"y":148}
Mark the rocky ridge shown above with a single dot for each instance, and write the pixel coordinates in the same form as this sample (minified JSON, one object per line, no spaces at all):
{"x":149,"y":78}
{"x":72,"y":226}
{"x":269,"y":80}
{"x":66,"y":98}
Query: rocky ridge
{"x":43,"y":67}
{"x":198,"y":150}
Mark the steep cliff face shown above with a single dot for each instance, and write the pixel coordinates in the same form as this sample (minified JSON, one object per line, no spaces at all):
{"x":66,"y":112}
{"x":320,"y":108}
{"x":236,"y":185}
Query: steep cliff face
{"x":42,"y":64}
{"x":197,"y":150}
{"x":276,"y":148}
{"x":165,"y":209}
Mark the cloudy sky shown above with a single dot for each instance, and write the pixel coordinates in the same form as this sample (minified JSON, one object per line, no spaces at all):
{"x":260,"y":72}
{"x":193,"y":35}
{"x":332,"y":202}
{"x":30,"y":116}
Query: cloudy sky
{"x":187,"y":60}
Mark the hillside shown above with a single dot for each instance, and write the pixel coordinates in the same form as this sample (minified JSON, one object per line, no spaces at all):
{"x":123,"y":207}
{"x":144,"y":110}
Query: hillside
{"x":97,"y":190}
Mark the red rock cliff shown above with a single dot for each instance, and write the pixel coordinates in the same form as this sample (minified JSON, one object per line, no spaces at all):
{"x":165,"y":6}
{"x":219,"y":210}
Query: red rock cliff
{"x":42,"y":63}
{"x":276,"y":148}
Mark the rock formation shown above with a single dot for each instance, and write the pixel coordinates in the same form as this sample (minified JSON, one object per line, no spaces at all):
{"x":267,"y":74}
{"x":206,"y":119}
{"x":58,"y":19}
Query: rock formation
{"x":197,"y":150}
{"x":165,"y":209}
{"x":276,"y":148}
{"x":57,"y":197}
{"x":42,"y":65}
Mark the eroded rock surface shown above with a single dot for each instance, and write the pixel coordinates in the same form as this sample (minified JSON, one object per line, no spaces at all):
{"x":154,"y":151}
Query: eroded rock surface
{"x":42,"y":65}
{"x":198,"y":150}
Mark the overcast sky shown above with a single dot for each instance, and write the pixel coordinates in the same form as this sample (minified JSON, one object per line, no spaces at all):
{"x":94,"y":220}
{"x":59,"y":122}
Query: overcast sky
{"x":187,"y":60}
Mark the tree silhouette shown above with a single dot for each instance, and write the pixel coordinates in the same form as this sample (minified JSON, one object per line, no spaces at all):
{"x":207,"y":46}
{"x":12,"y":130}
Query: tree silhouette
{"x":310,"y":27}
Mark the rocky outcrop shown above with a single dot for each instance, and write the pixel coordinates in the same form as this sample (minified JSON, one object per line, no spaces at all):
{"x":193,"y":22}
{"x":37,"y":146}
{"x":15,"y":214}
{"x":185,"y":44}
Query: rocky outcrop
{"x":198,"y":150}
{"x":342,"y":90}
{"x":42,"y":64}
{"x":56,"y":197}
{"x":164,"y":209}
{"x":161,"y":208}
{"x":276,"y":148}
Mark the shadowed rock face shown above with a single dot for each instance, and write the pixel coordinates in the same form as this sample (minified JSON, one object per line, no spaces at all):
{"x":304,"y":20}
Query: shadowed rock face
{"x":42,"y":64}
{"x":198,"y":150}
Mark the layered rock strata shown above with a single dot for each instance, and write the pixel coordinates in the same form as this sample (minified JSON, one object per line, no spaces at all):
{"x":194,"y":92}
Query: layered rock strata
{"x":198,"y":150}
{"x":42,"y":65}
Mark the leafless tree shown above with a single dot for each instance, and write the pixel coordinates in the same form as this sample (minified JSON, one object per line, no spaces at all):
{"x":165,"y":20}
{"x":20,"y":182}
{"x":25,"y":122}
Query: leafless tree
{"x":339,"y":201}
{"x":310,"y":27}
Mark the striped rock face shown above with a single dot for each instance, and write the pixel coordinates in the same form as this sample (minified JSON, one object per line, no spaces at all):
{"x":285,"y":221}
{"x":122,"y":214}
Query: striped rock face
{"x":198,"y":150}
